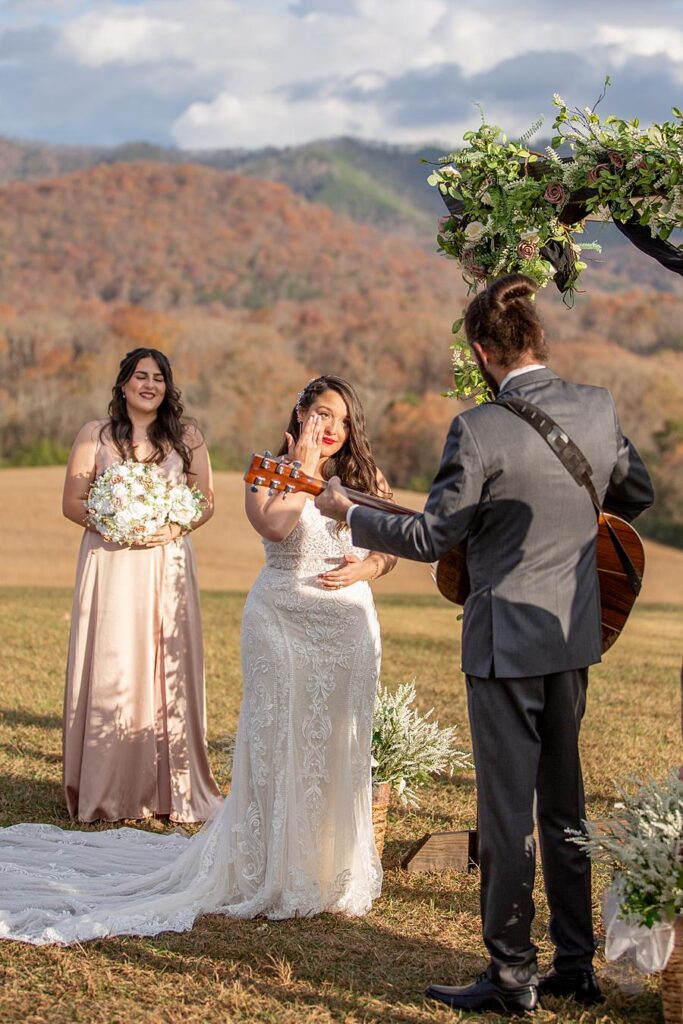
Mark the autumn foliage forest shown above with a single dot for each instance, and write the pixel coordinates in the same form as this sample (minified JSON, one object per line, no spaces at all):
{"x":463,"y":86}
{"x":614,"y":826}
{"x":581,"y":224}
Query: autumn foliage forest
{"x":252,"y":289}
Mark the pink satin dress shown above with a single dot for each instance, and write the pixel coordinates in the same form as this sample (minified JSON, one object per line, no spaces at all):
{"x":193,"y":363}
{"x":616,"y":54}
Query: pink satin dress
{"x":134,"y":708}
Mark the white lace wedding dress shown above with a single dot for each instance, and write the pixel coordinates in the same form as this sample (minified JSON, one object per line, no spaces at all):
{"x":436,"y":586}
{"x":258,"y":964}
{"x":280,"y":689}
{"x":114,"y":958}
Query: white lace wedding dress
{"x":294,"y":837}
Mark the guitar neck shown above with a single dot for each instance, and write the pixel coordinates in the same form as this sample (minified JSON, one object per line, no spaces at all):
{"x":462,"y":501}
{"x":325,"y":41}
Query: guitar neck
{"x":314,"y":485}
{"x":287,"y":478}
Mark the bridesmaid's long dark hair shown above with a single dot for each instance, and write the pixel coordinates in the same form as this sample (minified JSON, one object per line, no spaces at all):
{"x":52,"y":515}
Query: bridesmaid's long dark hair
{"x":167,"y":431}
{"x":353,"y":463}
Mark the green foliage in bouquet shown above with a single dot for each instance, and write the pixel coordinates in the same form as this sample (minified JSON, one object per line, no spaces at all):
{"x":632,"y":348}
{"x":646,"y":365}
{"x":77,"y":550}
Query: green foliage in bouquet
{"x":641,"y":844}
{"x":408,"y":748}
{"x":517,"y":205}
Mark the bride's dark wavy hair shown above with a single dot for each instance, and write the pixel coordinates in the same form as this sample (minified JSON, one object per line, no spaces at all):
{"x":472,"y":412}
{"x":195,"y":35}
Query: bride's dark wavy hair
{"x":353,"y":463}
{"x":167,"y":431}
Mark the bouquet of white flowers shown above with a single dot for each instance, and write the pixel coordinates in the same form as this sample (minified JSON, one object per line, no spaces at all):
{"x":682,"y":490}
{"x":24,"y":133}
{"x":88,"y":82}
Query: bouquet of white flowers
{"x":131,"y":501}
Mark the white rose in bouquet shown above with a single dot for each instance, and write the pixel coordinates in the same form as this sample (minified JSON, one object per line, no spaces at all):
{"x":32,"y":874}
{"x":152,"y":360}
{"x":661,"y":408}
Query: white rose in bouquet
{"x":183,"y":505}
{"x":140,"y":511}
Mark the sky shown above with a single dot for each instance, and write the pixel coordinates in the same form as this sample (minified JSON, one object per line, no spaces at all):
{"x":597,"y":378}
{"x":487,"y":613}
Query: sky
{"x":204,"y":74}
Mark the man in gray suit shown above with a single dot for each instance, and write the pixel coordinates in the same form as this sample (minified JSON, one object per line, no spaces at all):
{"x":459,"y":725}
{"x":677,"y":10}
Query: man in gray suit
{"x":531,"y":628}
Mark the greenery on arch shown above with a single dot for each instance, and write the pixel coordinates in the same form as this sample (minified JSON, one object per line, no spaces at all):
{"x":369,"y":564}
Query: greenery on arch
{"x":513,"y":209}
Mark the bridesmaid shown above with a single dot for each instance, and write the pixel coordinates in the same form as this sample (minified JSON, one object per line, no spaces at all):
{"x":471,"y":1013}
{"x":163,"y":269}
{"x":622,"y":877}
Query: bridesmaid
{"x":134,"y":709}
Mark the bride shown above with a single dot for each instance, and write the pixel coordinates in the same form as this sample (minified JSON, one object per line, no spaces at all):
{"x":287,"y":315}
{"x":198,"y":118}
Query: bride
{"x":294,"y":837}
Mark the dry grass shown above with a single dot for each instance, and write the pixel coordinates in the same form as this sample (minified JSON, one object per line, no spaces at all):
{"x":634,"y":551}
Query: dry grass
{"x":38,"y":546}
{"x":424,"y":928}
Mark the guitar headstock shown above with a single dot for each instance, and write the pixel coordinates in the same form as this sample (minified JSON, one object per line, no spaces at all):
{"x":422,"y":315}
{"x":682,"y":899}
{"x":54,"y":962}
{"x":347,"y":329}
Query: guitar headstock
{"x":280,"y":477}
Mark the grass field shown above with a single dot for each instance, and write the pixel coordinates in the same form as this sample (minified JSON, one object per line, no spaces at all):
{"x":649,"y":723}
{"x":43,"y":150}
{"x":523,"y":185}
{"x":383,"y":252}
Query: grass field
{"x":424,"y":928}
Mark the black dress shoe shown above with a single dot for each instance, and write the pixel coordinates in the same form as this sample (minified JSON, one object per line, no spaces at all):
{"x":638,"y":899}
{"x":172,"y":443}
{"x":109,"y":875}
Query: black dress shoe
{"x":581,"y":986}
{"x":485,"y":995}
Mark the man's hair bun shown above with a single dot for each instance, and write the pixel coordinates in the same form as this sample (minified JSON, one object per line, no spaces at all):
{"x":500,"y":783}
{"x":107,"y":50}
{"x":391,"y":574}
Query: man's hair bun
{"x":504,"y":321}
{"x":512,"y":287}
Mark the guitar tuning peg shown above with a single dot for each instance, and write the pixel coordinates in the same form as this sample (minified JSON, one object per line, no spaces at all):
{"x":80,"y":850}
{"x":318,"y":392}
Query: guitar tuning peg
{"x":271,"y":492}
{"x":254,"y":489}
{"x":267,"y":454}
{"x":296,"y":464}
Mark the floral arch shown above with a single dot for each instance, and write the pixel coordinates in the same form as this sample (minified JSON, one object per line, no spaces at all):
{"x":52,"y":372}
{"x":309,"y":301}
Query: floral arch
{"x":511,"y":208}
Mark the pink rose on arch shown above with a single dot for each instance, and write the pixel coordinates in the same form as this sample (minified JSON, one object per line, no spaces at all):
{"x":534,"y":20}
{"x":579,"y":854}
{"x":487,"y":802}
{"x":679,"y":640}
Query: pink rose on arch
{"x":526,"y":250}
{"x":595,"y":172}
{"x":555,"y":193}
{"x":616,"y":159}
{"x":478,"y":271}
{"x":471,"y":266}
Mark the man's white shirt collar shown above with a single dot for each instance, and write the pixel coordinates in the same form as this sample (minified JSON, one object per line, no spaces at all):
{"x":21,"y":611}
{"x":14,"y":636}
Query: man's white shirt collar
{"x":518,"y":371}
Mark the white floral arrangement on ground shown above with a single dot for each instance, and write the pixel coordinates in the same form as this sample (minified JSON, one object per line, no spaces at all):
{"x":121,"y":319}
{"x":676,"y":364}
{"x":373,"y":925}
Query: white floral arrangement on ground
{"x":130,"y":501}
{"x":641,"y":842}
{"x":408,"y":748}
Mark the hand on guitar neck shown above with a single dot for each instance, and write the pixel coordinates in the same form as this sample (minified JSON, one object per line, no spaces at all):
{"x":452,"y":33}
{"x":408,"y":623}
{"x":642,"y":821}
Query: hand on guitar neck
{"x":333,"y":501}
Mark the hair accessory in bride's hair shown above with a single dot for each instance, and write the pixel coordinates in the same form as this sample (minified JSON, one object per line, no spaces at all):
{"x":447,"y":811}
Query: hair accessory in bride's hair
{"x":301,"y":394}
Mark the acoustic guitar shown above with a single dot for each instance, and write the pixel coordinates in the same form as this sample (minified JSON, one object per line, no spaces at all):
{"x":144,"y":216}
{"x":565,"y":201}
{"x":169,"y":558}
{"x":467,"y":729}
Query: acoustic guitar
{"x":617,"y":595}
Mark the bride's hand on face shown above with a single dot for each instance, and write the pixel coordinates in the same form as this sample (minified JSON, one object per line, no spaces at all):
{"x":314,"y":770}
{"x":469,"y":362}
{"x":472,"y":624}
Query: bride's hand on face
{"x":308,"y":447}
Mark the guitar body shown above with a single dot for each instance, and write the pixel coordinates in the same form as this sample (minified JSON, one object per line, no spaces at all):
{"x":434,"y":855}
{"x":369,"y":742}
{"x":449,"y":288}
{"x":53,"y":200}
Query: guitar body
{"x":616,"y":594}
{"x":451,"y":576}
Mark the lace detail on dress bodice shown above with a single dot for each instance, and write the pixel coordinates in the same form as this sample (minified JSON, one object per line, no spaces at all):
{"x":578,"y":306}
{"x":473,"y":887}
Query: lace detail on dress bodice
{"x":313,"y":546}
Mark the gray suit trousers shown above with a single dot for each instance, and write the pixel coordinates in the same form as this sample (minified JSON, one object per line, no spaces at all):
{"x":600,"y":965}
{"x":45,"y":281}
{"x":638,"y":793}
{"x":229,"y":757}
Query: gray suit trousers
{"x":525,"y":736}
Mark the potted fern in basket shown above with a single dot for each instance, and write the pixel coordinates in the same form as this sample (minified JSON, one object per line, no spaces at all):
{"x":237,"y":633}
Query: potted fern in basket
{"x":408,"y":749}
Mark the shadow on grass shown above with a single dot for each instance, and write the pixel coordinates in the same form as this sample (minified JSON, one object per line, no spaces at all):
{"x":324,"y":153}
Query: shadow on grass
{"x":32,"y":800}
{"x":344,"y":965}
{"x":37,"y":755}
{"x":351,"y":968}
{"x":447,"y":891}
{"x":15,"y":717}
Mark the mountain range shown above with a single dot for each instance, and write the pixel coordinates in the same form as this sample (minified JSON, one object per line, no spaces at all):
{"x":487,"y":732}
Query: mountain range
{"x":256,"y":271}
{"x":372,"y":183}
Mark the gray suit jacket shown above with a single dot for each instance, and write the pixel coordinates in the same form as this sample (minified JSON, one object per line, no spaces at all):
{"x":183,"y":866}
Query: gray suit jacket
{"x":534,"y":606}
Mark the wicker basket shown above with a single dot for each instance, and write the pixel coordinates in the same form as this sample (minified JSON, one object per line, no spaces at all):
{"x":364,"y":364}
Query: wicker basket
{"x":672,"y":979}
{"x":381,"y":793}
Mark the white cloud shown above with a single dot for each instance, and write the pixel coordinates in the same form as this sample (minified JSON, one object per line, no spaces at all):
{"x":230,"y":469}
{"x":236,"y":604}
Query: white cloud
{"x":121,"y":39}
{"x":257,"y":72}
{"x":628,"y":42}
{"x":233,"y":121}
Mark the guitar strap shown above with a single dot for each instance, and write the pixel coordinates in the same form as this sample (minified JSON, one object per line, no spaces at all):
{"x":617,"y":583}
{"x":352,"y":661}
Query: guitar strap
{"x":576,"y":464}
